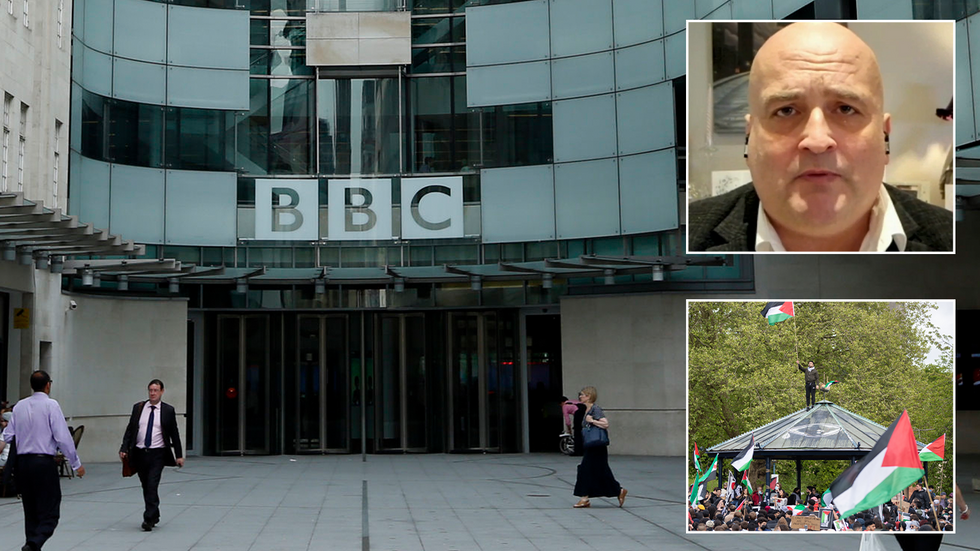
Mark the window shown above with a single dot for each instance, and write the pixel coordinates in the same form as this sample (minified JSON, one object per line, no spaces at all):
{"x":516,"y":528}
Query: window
{"x":22,"y":147}
{"x":21,"y":152}
{"x":7,"y":101}
{"x":57,"y":160}
{"x":10,"y":7}
{"x":26,"y":4}
{"x":61,"y":20}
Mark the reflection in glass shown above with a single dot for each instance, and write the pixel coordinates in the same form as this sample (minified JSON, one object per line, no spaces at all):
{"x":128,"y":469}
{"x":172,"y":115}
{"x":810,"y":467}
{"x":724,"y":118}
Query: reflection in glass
{"x":282,"y":63}
{"x":278,"y":8}
{"x":135,"y":133}
{"x":93,"y":126}
{"x":277,"y":133}
{"x":445,"y":132}
{"x":517,"y":135}
{"x":358,"y":125}
{"x":438,"y":59}
{"x":438,"y":31}
{"x":200,"y":139}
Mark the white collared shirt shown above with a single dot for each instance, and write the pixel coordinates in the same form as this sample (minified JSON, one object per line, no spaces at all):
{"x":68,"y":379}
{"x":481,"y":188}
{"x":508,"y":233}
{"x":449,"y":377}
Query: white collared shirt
{"x":884,"y":228}
{"x":157,"y":434}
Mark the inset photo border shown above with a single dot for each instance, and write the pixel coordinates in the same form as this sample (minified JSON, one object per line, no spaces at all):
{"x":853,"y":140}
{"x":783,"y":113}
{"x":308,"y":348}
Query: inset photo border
{"x":821,"y":416}
{"x":917,"y":65}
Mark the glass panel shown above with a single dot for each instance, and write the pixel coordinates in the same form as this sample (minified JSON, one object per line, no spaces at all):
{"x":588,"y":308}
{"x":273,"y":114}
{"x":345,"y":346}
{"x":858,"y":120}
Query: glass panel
{"x":390,"y":383}
{"x":228,"y":384}
{"x":271,"y":257}
{"x":517,"y":135}
{"x":438,"y":59}
{"x":420,"y":256}
{"x":93,"y":126}
{"x":308,"y":381}
{"x":426,"y":7}
{"x":510,"y":417}
{"x":493,"y":382}
{"x":199,"y":139}
{"x":225,"y":4}
{"x":279,"y":63}
{"x":256,"y":384}
{"x":136,"y":134}
{"x":278,"y":7}
{"x":457,"y":254}
{"x":291,"y":126}
{"x":353,"y":5}
{"x":337,"y":389}
{"x":415,"y":380}
{"x":466,"y":382}
{"x":259,"y":32}
{"x":358,"y":125}
{"x":438,"y":31}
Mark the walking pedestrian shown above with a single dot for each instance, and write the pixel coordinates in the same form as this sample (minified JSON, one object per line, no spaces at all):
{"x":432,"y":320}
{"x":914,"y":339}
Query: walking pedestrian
{"x":39,"y":427}
{"x":152,"y":441}
{"x":595,"y":478}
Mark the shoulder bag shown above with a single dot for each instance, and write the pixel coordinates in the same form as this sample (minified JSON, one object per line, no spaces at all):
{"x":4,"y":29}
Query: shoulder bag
{"x":593,"y":436}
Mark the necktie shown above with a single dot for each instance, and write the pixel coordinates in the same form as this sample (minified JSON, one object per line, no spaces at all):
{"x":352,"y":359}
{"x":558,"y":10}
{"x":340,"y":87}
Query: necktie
{"x":149,"y":429}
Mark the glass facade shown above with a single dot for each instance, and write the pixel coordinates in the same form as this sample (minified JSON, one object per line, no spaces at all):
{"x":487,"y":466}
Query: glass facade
{"x":944,"y":9}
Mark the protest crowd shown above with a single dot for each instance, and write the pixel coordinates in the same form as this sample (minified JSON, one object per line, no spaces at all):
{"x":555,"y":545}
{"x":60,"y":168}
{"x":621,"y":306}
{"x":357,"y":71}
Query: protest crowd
{"x":737,"y":509}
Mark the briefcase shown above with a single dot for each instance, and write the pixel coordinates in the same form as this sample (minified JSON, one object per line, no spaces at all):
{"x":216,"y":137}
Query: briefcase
{"x":127,"y":471}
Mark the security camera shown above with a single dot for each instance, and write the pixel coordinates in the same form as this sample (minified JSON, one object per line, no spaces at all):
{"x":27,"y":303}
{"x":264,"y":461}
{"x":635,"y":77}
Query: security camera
{"x":72,"y":305}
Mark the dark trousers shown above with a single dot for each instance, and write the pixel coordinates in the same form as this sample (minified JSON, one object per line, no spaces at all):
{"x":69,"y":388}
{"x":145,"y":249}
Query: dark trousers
{"x":41,"y":495}
{"x":149,"y":467}
{"x":811,"y":394}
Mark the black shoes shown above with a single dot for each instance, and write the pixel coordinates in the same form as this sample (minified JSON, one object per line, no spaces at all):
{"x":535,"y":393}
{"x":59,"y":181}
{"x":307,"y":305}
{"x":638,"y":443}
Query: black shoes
{"x":147,"y":526}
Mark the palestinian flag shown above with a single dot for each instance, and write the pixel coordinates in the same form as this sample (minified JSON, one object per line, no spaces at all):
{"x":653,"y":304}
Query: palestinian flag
{"x":698,"y":492}
{"x":745,"y":480}
{"x":697,"y":465}
{"x":776,"y":312}
{"x":825,"y":499}
{"x":888,"y":468}
{"x":934,"y":451}
{"x":797,"y":509}
{"x":739,"y":508}
{"x":730,"y":486}
{"x":773,"y":481}
{"x":826,"y":386}
{"x":744,"y":457}
{"x":713,"y":469}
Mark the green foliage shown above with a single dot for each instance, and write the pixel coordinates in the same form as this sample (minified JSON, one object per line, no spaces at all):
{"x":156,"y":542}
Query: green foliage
{"x":743,"y":374}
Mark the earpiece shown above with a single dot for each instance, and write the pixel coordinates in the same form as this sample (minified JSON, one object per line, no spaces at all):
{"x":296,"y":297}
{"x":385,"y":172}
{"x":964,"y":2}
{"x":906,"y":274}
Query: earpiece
{"x":888,"y":149}
{"x":746,"y":152}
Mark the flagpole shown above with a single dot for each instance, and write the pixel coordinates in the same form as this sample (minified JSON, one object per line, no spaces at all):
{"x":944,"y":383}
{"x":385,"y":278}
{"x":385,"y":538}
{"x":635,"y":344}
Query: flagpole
{"x":797,"y":335}
{"x":932,"y":502}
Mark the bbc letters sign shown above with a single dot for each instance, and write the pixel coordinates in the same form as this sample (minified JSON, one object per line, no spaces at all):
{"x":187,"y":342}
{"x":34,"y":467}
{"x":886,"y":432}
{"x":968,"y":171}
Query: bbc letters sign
{"x":359,"y":210}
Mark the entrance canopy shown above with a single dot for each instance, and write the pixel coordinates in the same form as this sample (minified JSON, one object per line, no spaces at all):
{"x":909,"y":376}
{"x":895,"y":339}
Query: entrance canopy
{"x":827,"y":431}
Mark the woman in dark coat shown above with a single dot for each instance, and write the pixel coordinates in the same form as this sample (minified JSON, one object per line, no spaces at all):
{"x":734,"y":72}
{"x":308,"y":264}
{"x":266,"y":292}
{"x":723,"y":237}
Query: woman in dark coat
{"x":595,"y":479}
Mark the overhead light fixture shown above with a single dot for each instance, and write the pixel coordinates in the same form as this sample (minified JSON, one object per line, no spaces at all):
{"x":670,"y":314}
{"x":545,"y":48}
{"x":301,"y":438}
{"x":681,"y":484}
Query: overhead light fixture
{"x":123,"y":282}
{"x":41,"y":260}
{"x":9,"y":252}
{"x":610,"y":276}
{"x":87,"y":277}
{"x":25,"y":257}
{"x":57,"y":264}
{"x":546,"y":281}
{"x":399,"y":284}
{"x":320,"y":286}
{"x":658,"y":273}
{"x":476,"y":283}
{"x":173,"y":285}
{"x":241,"y":286}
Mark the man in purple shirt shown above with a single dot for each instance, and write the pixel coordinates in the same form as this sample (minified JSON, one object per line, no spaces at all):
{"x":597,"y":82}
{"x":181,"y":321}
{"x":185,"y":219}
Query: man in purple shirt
{"x":40,"y":429}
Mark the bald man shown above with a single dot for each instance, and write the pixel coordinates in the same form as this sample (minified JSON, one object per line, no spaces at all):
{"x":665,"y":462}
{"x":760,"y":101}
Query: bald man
{"x":816,"y":144}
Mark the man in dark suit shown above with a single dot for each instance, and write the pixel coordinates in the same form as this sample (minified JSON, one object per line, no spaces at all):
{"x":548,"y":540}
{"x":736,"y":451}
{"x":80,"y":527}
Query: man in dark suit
{"x":816,"y":144}
{"x":151,"y":442}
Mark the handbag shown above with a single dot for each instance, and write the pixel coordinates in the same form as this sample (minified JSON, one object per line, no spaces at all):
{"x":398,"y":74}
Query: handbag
{"x":593,"y":436}
{"x":8,"y":480}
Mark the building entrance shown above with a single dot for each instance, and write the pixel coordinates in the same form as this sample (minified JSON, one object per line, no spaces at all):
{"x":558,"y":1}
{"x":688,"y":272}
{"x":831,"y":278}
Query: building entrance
{"x":340,"y":382}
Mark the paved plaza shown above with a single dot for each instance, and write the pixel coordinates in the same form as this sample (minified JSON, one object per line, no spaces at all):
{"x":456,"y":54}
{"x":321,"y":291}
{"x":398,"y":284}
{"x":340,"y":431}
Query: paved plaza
{"x":404,"y":503}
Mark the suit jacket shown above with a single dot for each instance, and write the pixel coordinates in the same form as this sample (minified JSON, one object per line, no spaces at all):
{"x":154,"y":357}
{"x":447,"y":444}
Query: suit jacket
{"x":728,"y":222}
{"x":168,"y":425}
